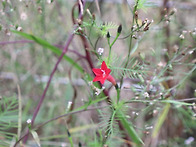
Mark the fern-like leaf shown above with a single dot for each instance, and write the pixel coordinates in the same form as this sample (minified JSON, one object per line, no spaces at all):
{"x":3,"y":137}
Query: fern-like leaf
{"x":8,"y":118}
{"x":134,"y":70}
{"x":104,"y":28}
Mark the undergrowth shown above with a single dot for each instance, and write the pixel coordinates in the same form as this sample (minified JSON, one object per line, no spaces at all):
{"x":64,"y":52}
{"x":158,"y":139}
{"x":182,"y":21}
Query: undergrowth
{"x":141,"y":92}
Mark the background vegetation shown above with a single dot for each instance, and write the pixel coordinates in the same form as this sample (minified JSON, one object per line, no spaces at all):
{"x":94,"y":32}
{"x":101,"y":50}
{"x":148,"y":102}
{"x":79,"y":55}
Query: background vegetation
{"x":49,"y":48}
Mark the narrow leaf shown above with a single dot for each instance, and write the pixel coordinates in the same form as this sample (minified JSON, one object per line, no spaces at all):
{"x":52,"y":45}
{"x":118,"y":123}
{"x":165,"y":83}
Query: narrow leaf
{"x":176,"y":102}
{"x":54,"y":49}
{"x":36,"y":137}
{"x":161,"y":120}
{"x":129,"y":128}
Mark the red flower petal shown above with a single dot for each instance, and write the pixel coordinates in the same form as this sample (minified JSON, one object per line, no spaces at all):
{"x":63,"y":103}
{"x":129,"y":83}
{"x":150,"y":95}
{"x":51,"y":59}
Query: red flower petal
{"x":108,"y":71}
{"x":104,"y":66}
{"x":101,"y":74}
{"x":97,"y":71}
{"x":102,"y":81}
{"x":97,"y":78}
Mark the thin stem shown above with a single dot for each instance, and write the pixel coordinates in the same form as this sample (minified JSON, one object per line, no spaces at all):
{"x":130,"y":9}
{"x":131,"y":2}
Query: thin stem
{"x":19,"y":111}
{"x":110,"y":45}
{"x":118,"y":93}
{"x":130,"y":44}
{"x":58,"y":117}
{"x":118,"y":34}
{"x":16,"y":42}
{"x":50,"y":78}
{"x":70,"y":113}
{"x":110,"y":48}
{"x":48,"y":83}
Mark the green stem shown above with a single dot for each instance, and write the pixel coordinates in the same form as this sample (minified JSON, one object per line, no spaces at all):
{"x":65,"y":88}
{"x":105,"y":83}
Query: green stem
{"x":19,"y":112}
{"x":118,"y":93}
{"x":130,"y":44}
{"x":109,"y":49}
{"x":70,"y":138}
{"x":117,"y":35}
{"x":110,"y":45}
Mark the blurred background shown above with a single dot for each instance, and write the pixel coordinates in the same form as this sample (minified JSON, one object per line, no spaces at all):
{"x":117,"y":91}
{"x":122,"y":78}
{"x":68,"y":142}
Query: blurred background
{"x":26,"y":65}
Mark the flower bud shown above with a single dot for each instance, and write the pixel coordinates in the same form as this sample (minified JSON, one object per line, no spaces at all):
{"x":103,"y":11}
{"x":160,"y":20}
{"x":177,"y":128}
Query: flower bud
{"x":93,"y":16}
{"x":136,"y":15}
{"x":173,"y":11}
{"x":119,"y":29}
{"x":68,"y":133}
{"x":108,"y":35}
{"x":112,"y":80}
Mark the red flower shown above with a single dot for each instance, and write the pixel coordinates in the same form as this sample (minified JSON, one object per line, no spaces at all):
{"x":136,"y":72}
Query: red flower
{"x":103,"y":74}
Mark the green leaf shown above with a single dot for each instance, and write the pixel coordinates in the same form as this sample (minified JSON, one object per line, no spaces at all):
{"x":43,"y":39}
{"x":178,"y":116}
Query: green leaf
{"x":161,"y":120}
{"x":54,"y":49}
{"x":104,"y":28}
{"x":8,"y":117}
{"x":176,"y":102}
{"x":36,"y":137}
{"x":160,"y":101}
{"x":129,"y":128}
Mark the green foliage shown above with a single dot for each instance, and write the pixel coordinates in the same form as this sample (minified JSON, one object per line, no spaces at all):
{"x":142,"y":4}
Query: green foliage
{"x":36,"y":137}
{"x":160,"y":120}
{"x":163,"y":74}
{"x":140,"y":3}
{"x":8,"y":118}
{"x":135,"y":70}
{"x":101,"y":29}
{"x":45,"y":44}
{"x":143,"y":4}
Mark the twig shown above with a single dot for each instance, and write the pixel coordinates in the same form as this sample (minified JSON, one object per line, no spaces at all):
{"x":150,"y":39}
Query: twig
{"x":49,"y":81}
{"x":70,"y":113}
{"x":19,"y":112}
{"x":187,"y":99}
{"x":58,"y":117}
{"x":16,"y":42}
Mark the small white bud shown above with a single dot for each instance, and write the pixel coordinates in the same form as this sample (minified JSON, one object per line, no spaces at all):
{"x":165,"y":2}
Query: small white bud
{"x":150,"y":127}
{"x":190,"y":52}
{"x":28,"y":121}
{"x":161,"y":64}
{"x":69,"y":105}
{"x":194,"y":33}
{"x":19,"y":29}
{"x":146,"y":95}
{"x":189,"y":140}
{"x":49,"y":1}
{"x":184,"y":32}
{"x":100,"y":51}
{"x":181,"y":36}
{"x":23,"y":16}
{"x":155,"y":112}
{"x":89,"y":13}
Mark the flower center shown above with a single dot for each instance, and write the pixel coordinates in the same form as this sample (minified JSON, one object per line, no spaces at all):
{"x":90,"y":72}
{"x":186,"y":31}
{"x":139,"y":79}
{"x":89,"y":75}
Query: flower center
{"x":103,"y":71}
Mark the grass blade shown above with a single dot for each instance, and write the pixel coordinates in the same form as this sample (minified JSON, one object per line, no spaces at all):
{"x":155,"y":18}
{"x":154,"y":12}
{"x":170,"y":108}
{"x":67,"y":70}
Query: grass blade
{"x":161,"y":120}
{"x":129,"y":128}
{"x":47,"y":45}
